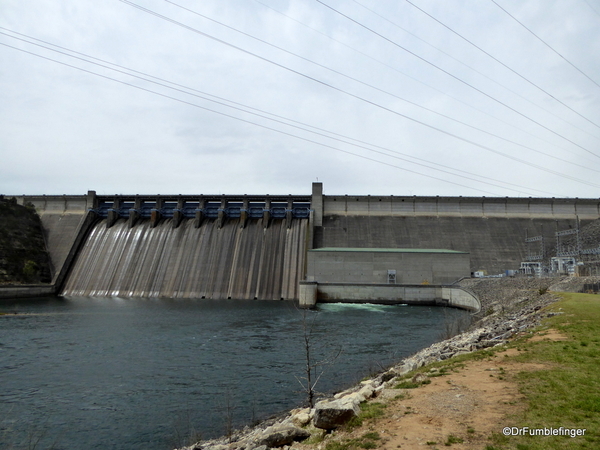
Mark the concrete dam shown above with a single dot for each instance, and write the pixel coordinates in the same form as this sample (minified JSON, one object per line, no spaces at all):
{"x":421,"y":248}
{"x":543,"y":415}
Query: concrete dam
{"x":256,"y":247}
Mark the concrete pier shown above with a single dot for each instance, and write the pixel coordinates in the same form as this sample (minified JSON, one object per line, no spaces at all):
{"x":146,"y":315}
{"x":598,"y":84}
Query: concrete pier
{"x":307,"y":294}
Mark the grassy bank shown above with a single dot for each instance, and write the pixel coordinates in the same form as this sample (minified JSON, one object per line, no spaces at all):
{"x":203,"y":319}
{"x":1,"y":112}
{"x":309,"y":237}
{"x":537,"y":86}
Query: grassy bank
{"x":542,"y":380}
{"x":567,"y":395}
{"x":564,"y":394}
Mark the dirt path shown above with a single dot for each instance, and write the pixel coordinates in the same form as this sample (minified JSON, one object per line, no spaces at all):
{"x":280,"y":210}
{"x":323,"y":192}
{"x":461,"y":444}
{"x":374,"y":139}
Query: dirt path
{"x":469,"y":403}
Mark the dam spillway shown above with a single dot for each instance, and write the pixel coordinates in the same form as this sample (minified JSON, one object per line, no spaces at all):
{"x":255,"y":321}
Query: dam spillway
{"x":214,"y":260}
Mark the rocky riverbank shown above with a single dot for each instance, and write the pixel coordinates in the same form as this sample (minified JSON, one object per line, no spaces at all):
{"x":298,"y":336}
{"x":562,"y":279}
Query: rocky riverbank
{"x":509,"y":306}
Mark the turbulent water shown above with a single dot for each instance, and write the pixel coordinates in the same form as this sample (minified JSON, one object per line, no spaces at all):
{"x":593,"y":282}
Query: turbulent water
{"x":154,"y":374}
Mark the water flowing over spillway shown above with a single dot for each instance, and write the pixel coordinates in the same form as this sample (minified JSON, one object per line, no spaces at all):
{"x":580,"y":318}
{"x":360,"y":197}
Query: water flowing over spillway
{"x":252,"y":262}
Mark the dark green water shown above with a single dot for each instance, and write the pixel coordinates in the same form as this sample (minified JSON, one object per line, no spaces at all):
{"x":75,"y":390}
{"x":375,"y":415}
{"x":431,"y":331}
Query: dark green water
{"x":150,"y":374}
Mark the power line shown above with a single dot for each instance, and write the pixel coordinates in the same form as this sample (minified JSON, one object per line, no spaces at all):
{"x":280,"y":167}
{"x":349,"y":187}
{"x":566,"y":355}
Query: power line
{"x":373,"y":87}
{"x":243,"y":120}
{"x":477,"y":72}
{"x":546,"y":141}
{"x":546,"y":44}
{"x":345,"y":92}
{"x":502,"y":64}
{"x":456,"y":78}
{"x":444,"y":170}
{"x":592,"y":8}
{"x":532,"y":165}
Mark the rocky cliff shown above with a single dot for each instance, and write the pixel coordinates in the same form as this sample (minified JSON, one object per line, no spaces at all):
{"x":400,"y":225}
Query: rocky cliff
{"x":23,"y":255}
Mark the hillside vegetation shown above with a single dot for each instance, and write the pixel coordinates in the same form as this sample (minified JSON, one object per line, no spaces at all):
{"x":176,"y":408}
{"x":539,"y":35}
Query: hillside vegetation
{"x":23,"y":255}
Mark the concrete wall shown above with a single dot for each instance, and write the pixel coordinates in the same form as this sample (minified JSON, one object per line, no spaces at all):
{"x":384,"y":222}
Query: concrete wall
{"x":498,"y":207}
{"x":460,"y":298}
{"x":26,"y":291}
{"x":372,"y":265}
{"x":253,"y":261}
{"x":492,"y":230}
{"x":62,"y":219}
{"x":495,"y":244}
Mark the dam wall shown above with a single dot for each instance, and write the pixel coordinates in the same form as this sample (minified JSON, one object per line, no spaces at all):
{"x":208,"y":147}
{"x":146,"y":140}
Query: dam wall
{"x":63,"y":217}
{"x":255,"y":246}
{"x":492,"y":230}
{"x":484,"y":207}
{"x":217,"y":260}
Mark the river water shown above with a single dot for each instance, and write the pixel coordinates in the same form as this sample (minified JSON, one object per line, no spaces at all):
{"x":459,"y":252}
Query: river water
{"x":154,"y":374}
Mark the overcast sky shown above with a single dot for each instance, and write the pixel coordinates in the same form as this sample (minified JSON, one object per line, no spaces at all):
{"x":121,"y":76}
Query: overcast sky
{"x":391,"y":97}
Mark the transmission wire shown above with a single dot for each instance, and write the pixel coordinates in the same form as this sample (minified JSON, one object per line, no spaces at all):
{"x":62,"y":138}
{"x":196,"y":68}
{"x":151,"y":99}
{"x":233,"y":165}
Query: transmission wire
{"x":502,"y":64}
{"x":291,"y":120}
{"x":546,"y":44}
{"x":345,"y":92}
{"x":455,"y":77}
{"x":439,"y":90}
{"x":374,"y":87}
{"x":483,"y":75}
{"x":244,"y":120}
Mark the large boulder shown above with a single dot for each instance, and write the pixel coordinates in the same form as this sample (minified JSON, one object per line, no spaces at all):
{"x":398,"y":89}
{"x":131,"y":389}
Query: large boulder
{"x":280,"y":435}
{"x":330,"y":414}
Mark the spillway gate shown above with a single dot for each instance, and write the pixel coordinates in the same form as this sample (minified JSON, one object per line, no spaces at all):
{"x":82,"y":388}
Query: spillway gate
{"x":200,"y":208}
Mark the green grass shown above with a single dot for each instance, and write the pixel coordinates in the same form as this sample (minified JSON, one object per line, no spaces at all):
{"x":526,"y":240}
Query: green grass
{"x":336,"y":445}
{"x":314,"y":439}
{"x":408,"y":384}
{"x":366,"y":441}
{"x":368,"y":410}
{"x":440,"y":373}
{"x":567,"y":394}
{"x":373,"y":435}
{"x":452,"y":440}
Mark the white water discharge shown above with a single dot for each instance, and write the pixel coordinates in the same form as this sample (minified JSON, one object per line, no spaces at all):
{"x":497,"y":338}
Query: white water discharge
{"x":187,"y":262}
{"x":370,"y":307}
